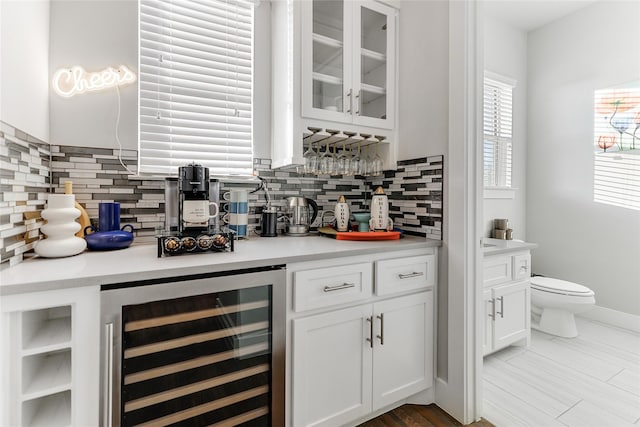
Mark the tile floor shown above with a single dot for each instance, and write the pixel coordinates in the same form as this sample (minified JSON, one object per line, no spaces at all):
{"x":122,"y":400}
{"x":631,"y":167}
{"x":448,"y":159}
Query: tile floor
{"x":591,"y":380}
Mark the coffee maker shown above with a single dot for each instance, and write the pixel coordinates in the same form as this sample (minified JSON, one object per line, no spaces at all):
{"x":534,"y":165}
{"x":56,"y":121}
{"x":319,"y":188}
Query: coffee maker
{"x":191,"y":201}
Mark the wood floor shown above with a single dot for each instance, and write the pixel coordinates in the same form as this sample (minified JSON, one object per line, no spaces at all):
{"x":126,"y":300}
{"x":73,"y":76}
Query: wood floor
{"x":418,"y":416}
{"x":591,"y":380}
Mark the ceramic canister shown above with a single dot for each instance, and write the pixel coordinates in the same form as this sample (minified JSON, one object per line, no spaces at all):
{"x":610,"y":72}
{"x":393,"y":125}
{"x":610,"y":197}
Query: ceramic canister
{"x":341,"y":213}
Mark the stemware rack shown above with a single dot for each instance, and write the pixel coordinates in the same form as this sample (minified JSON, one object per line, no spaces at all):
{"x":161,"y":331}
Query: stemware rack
{"x":327,"y":142}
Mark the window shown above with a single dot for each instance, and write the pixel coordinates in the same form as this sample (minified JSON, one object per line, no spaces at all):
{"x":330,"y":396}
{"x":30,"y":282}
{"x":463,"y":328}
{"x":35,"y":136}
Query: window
{"x":616,"y":177}
{"x":196,"y":77}
{"x":498,"y":125}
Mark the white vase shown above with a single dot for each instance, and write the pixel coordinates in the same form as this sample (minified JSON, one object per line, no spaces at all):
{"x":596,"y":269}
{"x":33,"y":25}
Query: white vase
{"x":60,"y":228}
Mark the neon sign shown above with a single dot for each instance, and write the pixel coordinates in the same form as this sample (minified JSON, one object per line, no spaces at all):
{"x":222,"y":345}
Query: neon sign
{"x":68,"y":82}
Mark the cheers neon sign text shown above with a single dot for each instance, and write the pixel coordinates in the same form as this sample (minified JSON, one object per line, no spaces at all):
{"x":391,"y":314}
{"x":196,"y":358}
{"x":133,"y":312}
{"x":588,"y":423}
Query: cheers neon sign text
{"x":68,"y":82}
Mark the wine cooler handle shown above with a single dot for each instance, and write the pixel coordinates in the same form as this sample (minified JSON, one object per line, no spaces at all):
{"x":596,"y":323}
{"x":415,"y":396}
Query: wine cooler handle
{"x":108,"y":376}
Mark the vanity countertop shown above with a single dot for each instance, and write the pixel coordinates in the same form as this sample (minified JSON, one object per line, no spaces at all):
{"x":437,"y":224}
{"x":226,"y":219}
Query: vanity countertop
{"x":140,"y":262}
{"x":498,"y":246}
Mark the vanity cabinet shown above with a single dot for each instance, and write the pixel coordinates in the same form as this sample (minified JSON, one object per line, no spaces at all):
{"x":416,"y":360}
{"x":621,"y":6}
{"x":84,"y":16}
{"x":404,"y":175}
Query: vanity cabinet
{"x":507,"y":301}
{"x":50,"y":358}
{"x":355,"y":355}
{"x":334,"y":68}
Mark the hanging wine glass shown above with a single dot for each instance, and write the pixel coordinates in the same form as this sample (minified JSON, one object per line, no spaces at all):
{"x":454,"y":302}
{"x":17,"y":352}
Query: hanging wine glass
{"x":343,"y":160}
{"x":355,"y":166}
{"x":310,"y":160}
{"x":377,"y":163}
{"x":326,"y":161}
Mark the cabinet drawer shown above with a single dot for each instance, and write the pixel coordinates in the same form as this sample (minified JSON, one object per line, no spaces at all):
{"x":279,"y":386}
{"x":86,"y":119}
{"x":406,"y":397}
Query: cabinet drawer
{"x":497,"y":269}
{"x":405,"y":274}
{"x":325,"y":287}
{"x":521,"y":267}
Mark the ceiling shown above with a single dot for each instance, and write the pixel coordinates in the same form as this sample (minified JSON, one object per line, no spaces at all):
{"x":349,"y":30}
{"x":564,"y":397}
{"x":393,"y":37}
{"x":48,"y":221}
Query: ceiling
{"x":528,"y":15}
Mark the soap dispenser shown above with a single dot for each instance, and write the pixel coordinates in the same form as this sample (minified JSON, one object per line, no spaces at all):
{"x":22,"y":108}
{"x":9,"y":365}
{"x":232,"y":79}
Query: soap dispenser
{"x":341,"y":213}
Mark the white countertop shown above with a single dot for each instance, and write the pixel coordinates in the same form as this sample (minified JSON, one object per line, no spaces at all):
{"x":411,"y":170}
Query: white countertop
{"x":498,"y":246}
{"x":140,"y":262}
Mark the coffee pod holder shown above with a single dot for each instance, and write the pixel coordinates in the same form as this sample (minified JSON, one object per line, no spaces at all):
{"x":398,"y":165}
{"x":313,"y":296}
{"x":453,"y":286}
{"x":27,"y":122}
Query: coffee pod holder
{"x":175,"y":244}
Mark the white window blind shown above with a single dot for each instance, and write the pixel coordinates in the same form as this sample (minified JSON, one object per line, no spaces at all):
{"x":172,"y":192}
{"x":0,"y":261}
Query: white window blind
{"x":616,"y":172}
{"x":196,"y":77}
{"x":498,"y":123}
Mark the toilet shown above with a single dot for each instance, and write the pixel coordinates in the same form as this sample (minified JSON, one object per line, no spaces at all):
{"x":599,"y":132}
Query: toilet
{"x":554,"y":303}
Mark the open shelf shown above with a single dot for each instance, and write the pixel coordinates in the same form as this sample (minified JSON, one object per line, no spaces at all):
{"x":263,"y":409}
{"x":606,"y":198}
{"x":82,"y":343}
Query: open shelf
{"x":45,"y":374}
{"x":46,"y":330}
{"x":49,"y":411}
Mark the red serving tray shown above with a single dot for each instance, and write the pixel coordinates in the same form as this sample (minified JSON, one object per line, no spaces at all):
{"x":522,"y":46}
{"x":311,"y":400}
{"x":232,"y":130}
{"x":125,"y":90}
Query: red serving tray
{"x":359,"y":235}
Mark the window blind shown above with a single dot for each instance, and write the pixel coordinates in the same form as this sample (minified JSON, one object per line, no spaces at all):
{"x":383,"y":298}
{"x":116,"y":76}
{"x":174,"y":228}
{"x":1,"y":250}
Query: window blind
{"x":498,"y":124}
{"x":196,"y":78}
{"x":616,"y":172}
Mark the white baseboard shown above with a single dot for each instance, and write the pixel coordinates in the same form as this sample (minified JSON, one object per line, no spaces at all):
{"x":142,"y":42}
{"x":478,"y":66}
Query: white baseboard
{"x":613,"y":318}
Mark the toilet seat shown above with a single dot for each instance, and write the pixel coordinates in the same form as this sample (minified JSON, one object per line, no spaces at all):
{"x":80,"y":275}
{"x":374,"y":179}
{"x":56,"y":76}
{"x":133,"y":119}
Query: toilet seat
{"x":561,"y":287}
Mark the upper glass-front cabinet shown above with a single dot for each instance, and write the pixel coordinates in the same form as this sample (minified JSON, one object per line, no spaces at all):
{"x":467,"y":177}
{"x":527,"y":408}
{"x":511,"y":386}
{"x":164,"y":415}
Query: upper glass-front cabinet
{"x":348,"y":62}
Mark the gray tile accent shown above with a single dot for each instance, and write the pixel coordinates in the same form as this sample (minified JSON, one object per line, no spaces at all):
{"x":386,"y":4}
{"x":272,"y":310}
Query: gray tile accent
{"x":24,"y":181}
{"x":30,"y":168}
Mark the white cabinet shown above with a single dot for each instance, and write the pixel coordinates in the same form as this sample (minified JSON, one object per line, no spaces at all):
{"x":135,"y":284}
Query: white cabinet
{"x":348,"y":363}
{"x":333,"y":68}
{"x":403,"y":348}
{"x":50,"y":366}
{"x":332,"y":367}
{"x":348,"y":62}
{"x":359,"y":352}
{"x":507,"y":299}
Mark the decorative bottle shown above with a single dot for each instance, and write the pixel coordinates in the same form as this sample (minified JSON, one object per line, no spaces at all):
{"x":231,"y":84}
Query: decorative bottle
{"x":380,"y":220}
{"x":60,"y":228}
{"x":341,"y":212}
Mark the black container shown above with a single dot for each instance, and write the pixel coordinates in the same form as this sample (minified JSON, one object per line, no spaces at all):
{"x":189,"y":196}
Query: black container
{"x":269,"y":223}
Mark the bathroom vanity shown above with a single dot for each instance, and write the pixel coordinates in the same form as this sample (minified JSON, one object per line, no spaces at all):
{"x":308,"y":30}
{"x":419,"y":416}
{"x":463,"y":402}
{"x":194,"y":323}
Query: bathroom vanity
{"x":506,"y":294}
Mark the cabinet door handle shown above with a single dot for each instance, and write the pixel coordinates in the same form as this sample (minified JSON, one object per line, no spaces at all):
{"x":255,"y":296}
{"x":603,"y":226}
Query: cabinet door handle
{"x":338,"y":287}
{"x":492,"y":315}
{"x":408,"y":275}
{"x":108,"y":376}
{"x":501,"y":312}
{"x":370,"y":339}
{"x":381,"y":336}
{"x":350,"y":101}
{"x":358,"y":103}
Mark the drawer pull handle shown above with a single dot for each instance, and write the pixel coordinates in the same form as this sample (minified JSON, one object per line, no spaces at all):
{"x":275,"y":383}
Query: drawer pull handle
{"x":370,"y":339}
{"x":492,"y":315}
{"x":381,"y":336}
{"x":501,"y":312}
{"x":409,"y":275}
{"x":338,"y":287}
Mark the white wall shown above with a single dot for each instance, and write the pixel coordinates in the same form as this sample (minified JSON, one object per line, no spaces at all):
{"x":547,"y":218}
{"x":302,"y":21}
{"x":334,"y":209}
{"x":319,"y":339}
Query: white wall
{"x":589,"y":243}
{"x":94,"y":35}
{"x":423,"y":77}
{"x":24,"y":68}
{"x":505,"y":53}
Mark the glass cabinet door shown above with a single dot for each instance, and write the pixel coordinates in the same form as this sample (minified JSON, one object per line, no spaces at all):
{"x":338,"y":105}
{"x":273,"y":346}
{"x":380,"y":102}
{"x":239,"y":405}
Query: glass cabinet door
{"x":328,"y":62}
{"x":374,"y":64}
{"x":348,"y":62}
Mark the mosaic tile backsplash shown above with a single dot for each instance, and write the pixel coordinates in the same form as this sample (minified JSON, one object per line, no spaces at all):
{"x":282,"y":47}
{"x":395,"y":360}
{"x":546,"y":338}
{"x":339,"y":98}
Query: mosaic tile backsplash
{"x":31,"y":168}
{"x":24,"y":181}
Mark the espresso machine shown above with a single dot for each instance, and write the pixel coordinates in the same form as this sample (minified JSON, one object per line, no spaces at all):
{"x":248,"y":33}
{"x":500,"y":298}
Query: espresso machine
{"x":191,"y":201}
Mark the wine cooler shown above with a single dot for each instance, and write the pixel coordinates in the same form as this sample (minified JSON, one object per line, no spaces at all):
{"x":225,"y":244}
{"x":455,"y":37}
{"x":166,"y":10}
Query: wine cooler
{"x":202,"y":350}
